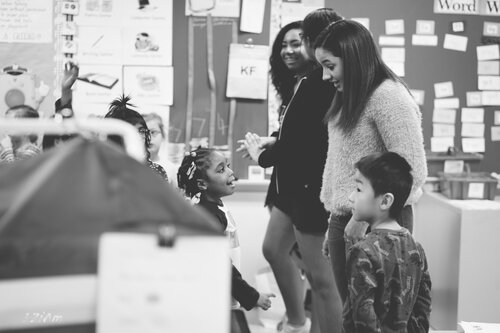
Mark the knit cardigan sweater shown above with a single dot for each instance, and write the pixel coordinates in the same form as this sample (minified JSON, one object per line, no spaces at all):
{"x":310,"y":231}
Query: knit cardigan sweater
{"x":391,"y":121}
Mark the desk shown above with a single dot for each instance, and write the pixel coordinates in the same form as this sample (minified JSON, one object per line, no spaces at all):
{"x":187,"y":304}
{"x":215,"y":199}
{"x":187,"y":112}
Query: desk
{"x":460,"y":238}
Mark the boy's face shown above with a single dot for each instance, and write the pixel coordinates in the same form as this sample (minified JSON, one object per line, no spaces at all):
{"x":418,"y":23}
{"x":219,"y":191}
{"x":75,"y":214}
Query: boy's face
{"x":365,"y":205}
{"x":219,"y":181}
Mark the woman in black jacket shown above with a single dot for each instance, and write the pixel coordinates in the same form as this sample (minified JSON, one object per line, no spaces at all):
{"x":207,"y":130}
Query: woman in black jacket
{"x":298,"y":155}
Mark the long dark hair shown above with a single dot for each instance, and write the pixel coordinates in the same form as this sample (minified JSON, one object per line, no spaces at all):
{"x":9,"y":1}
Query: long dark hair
{"x":316,"y":21}
{"x":364,"y":69}
{"x":282,"y":78}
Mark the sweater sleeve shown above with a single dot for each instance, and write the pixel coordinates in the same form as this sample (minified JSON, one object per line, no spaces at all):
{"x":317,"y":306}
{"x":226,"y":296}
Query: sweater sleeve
{"x":245,"y":294}
{"x":398,"y":120}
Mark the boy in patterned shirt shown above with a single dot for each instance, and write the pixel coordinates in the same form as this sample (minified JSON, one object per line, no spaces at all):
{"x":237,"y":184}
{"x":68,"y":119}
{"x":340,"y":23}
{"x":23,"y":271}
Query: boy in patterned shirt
{"x":388,"y":279}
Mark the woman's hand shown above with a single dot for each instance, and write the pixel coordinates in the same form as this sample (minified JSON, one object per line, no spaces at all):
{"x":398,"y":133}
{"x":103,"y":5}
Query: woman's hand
{"x":354,"y":232}
{"x":252,"y":144}
{"x":267,"y":141}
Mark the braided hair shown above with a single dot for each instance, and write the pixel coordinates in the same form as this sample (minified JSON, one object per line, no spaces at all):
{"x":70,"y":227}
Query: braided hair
{"x":193,"y":167}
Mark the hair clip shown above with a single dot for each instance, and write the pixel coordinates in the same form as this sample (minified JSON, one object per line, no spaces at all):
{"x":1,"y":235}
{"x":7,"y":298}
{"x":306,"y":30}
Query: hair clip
{"x":190,"y":153}
{"x":191,"y":170}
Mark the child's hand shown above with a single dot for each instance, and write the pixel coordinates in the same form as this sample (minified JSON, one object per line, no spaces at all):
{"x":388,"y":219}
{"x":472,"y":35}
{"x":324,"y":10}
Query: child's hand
{"x":70,"y":75}
{"x":264,"y":301}
{"x":6,"y":142}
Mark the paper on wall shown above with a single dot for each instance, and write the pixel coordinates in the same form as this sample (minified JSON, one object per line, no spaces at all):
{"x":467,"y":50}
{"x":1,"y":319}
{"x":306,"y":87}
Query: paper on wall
{"x":441,"y":144}
{"x":443,"y":89}
{"x":455,"y":42}
{"x":488,"y":82}
{"x":393,"y":54}
{"x":424,"y":40}
{"x":418,"y":95}
{"x":443,"y":130}
{"x":149,"y":84}
{"x":425,"y":27}
{"x":473,"y":145}
{"x":147,"y":288}
{"x":226,"y":8}
{"x":473,"y":130}
{"x":446,"y":116}
{"x":247,"y":71}
{"x":474,"y":98}
{"x":488,"y":52}
{"x":391,"y":41}
{"x":472,"y":115}
{"x":495,"y":133}
{"x":394,"y":27}
{"x":491,"y":67}
{"x":252,"y":15}
{"x":446,"y":103}
{"x":489,"y":98}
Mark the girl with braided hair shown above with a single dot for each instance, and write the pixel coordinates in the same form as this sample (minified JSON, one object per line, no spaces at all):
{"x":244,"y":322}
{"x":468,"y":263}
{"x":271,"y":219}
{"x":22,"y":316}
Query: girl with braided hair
{"x":204,"y":172}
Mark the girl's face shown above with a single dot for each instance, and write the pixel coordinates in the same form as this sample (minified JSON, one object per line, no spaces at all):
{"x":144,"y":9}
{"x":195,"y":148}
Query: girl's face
{"x":156,"y":136}
{"x":292,"y":52}
{"x":333,"y":68}
{"x":219,"y":180}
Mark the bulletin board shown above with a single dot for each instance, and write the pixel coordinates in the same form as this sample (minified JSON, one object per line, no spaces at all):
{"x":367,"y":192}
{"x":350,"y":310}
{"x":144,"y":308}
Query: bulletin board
{"x":424,"y":66}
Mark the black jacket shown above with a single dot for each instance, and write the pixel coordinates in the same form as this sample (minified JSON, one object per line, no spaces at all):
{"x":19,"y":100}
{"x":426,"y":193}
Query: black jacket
{"x":245,"y":294}
{"x":299,"y":154}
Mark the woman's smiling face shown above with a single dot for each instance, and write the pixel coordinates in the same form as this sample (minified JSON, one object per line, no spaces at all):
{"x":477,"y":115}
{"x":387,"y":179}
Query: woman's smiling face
{"x":333,"y":68}
{"x":292,"y":52}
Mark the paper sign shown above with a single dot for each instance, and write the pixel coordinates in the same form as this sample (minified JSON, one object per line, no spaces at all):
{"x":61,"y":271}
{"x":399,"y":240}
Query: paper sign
{"x":252,"y":15}
{"x":497,"y":117}
{"x":394,"y":27}
{"x":424,"y":40}
{"x":446,"y":116}
{"x":474,"y":98}
{"x":458,"y":26}
{"x":491,"y":29}
{"x":26,"y":21}
{"x":473,"y":145}
{"x":488,"y":82}
{"x":147,"y":46}
{"x":393,"y":54}
{"x":443,"y":89}
{"x":391,"y":41}
{"x":440,"y":130}
{"x":495,"y":133}
{"x":473,"y":130}
{"x":425,"y":27}
{"x":397,"y":67}
{"x":446,"y":103}
{"x":247,"y":71}
{"x":491,"y":67}
{"x":490,"y":98}
{"x":98,"y":84}
{"x":149,"y":84}
{"x":365,"y":21}
{"x":488,"y":52}
{"x":100,"y":46}
{"x":454,"y":166}
{"x":441,"y":144}
{"x":226,"y":8}
{"x":476,"y":191}
{"x":472,"y":115}
{"x":455,"y":42}
{"x":255,"y":173}
{"x":147,"y":288}
{"x":418,"y":96}
{"x":466,"y":8}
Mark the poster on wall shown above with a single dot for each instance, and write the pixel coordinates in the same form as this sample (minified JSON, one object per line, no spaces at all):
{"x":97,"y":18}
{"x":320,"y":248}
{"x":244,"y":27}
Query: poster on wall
{"x":146,"y":46}
{"x":226,"y":8}
{"x":149,"y":84}
{"x":98,"y":83}
{"x":467,"y":7}
{"x":24,"y":21}
{"x":99,"y":45}
{"x":247,"y":73}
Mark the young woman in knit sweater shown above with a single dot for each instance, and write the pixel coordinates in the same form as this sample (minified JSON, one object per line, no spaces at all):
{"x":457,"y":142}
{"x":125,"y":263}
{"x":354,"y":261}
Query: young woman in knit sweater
{"x":372,"y":111}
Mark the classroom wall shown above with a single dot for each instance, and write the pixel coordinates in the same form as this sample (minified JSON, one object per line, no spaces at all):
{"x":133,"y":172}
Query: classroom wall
{"x":424,"y":67}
